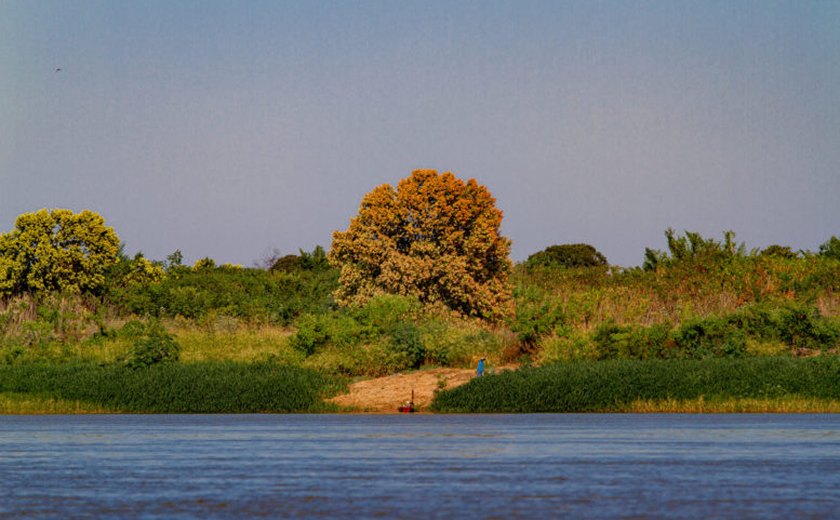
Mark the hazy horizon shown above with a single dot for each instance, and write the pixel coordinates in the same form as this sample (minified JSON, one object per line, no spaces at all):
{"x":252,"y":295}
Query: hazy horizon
{"x":229,"y":129}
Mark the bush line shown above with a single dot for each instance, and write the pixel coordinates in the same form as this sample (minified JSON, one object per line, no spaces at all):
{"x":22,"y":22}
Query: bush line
{"x":211,"y":387}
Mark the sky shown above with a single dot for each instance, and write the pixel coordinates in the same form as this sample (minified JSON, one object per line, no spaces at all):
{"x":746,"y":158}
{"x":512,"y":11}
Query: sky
{"x":233,"y":129}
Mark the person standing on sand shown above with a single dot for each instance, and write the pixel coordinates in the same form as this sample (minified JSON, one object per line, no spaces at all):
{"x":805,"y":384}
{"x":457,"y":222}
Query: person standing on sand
{"x":479,"y":371}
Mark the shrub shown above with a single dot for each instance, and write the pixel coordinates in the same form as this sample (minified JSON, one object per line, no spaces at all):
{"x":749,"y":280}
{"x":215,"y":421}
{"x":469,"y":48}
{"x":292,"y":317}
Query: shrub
{"x":607,"y":339}
{"x":405,"y":340}
{"x":701,"y":338}
{"x":153,"y":347}
{"x":802,"y":327}
{"x":312,"y":333}
{"x":535,"y":317}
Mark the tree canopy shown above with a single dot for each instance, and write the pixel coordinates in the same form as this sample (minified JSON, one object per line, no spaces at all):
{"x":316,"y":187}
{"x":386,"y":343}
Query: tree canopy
{"x":567,"y":255}
{"x":434,"y":237}
{"x":57,"y":250}
{"x":831,"y":248}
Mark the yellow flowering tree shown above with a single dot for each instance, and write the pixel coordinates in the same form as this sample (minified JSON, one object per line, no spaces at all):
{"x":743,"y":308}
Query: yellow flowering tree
{"x":57,"y":250}
{"x":434,"y":237}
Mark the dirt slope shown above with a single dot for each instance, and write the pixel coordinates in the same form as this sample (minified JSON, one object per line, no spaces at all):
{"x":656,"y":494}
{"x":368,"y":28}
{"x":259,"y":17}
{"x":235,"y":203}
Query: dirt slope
{"x":385,"y":394}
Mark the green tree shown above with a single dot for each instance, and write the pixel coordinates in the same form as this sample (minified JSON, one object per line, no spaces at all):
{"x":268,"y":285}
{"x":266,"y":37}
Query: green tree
{"x":434,"y":237}
{"x":831,"y":249}
{"x":305,"y":261}
{"x":567,"y":255}
{"x":57,"y":250}
{"x":778,"y":251}
{"x":693,"y":248}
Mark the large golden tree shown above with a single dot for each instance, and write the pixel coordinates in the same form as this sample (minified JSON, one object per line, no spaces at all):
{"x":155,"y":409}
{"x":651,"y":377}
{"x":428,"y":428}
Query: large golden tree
{"x":434,"y":237}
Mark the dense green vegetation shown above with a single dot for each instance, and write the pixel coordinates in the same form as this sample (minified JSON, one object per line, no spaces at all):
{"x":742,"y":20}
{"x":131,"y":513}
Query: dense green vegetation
{"x":589,"y":386}
{"x":209,"y":387}
{"x":567,"y":255}
{"x":701,"y":300}
{"x":97,"y":322}
{"x":275,"y":296}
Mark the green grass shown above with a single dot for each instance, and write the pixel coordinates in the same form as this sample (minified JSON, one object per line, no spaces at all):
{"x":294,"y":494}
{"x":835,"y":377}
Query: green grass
{"x":210,"y":387}
{"x":614,"y":386}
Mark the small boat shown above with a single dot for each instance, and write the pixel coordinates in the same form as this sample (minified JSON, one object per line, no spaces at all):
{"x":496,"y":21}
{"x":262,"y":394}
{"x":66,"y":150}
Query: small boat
{"x":408,"y":406}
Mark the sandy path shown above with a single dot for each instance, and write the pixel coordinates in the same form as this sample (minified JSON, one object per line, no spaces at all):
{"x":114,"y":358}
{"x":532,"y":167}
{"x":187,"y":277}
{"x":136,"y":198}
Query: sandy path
{"x":385,"y":394}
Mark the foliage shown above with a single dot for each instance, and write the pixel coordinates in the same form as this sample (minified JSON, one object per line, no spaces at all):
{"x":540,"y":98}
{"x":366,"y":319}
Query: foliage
{"x":152,"y":345}
{"x":286,"y":264}
{"x":802,"y":327}
{"x":387,"y":322}
{"x":250,"y":294}
{"x":831,"y":248}
{"x":779,"y":251}
{"x":305,"y":261}
{"x":389,"y":334}
{"x":205,"y":263}
{"x":693,"y":248}
{"x":732,"y":306}
{"x":608,"y":386}
{"x":57,"y":250}
{"x":535,"y":317}
{"x":798,"y":326}
{"x":143,"y":271}
{"x":47,"y":323}
{"x":701,"y":338}
{"x":567,"y":255}
{"x":435,"y":238}
{"x":138,"y":271}
{"x":174,"y":260}
{"x":218,"y":387}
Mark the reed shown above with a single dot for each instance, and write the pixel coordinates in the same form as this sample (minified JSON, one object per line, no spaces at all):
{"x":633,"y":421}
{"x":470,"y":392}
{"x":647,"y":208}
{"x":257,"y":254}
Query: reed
{"x":209,"y":387}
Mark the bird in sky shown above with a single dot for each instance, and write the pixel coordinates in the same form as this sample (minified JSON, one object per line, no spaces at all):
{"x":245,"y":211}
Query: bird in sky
{"x":58,"y":70}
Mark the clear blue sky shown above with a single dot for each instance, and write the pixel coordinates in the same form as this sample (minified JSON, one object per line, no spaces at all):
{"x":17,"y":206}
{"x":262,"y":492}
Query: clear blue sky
{"x":226,"y":129}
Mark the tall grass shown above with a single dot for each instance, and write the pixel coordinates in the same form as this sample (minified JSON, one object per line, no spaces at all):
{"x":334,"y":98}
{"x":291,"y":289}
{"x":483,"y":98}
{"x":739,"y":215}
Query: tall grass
{"x":585,"y":297}
{"x":243,"y":343}
{"x":172,"y":388}
{"x":734,"y":306}
{"x":589,"y":386}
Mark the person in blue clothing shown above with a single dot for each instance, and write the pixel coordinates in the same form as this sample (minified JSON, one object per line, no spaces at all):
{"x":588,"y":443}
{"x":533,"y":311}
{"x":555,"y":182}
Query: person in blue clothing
{"x":479,"y":371}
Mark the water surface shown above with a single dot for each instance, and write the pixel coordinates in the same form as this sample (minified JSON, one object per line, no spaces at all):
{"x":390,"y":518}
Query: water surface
{"x":439,"y":466}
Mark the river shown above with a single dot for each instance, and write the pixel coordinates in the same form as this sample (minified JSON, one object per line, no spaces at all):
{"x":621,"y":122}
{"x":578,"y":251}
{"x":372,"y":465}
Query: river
{"x":420,"y":466}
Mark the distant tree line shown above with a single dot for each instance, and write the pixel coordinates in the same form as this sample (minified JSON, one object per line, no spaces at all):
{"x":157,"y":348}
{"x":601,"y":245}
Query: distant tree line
{"x":434,"y":238}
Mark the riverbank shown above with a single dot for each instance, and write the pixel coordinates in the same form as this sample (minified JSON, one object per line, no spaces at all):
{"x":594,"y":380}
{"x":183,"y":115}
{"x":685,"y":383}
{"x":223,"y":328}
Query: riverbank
{"x":752,"y":385}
